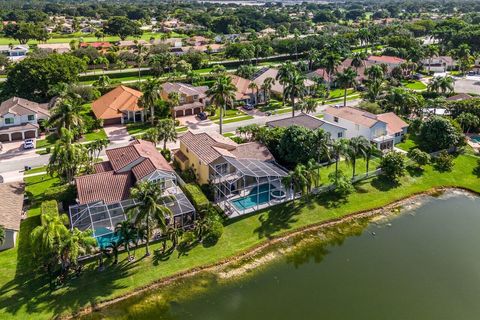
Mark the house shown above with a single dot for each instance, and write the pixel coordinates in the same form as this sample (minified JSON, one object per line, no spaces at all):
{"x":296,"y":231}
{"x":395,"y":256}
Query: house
{"x":310,"y":122}
{"x":459,"y":97}
{"x":277,"y":89}
{"x":192,"y":99}
{"x":101,"y":46}
{"x":16,"y":52}
{"x":120,"y":105}
{"x":384,"y":130}
{"x":243,"y":93}
{"x":388,"y":61}
{"x":244,"y":177}
{"x":11,"y":212}
{"x":54,"y":47}
{"x":19,"y":119}
{"x":198,"y":41}
{"x":132,"y":44}
{"x":439,"y":64}
{"x":267,"y":32}
{"x":104,"y":196}
{"x":207,"y":48}
{"x":476,"y":66}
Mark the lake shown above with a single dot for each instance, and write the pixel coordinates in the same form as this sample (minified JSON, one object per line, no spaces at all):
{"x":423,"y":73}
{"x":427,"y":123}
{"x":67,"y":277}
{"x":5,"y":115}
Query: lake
{"x":421,"y":264}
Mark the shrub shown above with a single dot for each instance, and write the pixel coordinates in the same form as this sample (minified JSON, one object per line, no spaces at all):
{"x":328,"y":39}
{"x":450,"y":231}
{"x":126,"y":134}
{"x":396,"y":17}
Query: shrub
{"x":444,"y":161}
{"x":420,"y":157}
{"x":196,"y":196}
{"x":47,"y":149}
{"x":238,"y":140}
{"x":49,"y":207}
{"x":208,"y":191}
{"x":343,"y":185}
{"x":393,"y":165}
{"x":213,"y":233}
{"x":64,"y":194}
{"x":167,"y":154}
{"x":438,"y":133}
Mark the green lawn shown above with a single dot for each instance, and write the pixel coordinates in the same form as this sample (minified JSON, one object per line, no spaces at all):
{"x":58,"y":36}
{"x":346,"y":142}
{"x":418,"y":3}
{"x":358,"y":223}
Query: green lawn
{"x":24,"y":296}
{"x":229,"y":113}
{"x":414,"y":85}
{"x":49,"y":141}
{"x":406,"y":145}
{"x":137,"y":128}
{"x":229,"y":134}
{"x":237,"y":119}
{"x":92,"y":136}
{"x":338,"y":93}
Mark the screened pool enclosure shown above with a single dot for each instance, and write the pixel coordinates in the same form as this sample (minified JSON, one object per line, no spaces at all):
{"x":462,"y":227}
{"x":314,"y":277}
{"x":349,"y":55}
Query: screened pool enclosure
{"x":242,"y":186}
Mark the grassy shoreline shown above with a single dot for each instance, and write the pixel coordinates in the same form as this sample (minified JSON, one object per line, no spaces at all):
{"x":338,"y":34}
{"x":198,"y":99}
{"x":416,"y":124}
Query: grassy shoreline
{"x":26,"y":297}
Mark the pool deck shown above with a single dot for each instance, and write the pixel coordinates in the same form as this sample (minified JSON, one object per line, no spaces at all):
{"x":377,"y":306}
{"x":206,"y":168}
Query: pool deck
{"x":475,"y":145}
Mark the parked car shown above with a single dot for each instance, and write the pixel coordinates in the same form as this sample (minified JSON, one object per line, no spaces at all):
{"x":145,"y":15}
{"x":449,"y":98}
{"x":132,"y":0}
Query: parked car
{"x":471,"y":73}
{"x":202,"y":116}
{"x":417,"y":76}
{"x":248,"y":107}
{"x":28,"y":144}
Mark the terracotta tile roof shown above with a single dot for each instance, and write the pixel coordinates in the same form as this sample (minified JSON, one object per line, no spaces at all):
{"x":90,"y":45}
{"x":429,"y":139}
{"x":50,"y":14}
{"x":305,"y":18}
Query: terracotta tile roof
{"x":459,"y":97}
{"x":109,"y":187}
{"x":394,"y":123}
{"x":252,"y":150}
{"x":11,"y":205}
{"x":386,"y":59}
{"x":111,"y":104}
{"x":22,"y":107}
{"x":202,"y":144}
{"x":96,"y":44}
{"x":103,"y":166}
{"x":242,"y":87}
{"x":265,"y":73}
{"x":354,"y":115}
{"x":210,"y":146}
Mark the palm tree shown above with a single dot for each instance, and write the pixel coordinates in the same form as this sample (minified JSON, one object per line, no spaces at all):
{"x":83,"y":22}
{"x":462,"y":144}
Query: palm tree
{"x":312,"y":56}
{"x":346,"y":80}
{"x":66,"y":114}
{"x":173,"y":233}
{"x":284,"y":74}
{"x":331,"y":61}
{"x":126,"y":231}
{"x":311,"y":175}
{"x":149,"y":213}
{"x":295,"y":88}
{"x":253,"y":86}
{"x":166,"y":131}
{"x":67,"y":158}
{"x":141,"y":49}
{"x":431,"y":51}
{"x":339,"y":148}
{"x":222,"y":93}
{"x":75,"y":244}
{"x":151,"y":93}
{"x":295,"y":180}
{"x":173,"y":101}
{"x":364,"y":37}
{"x":309,"y":105}
{"x":267,"y":87}
{"x":357,"y":147}
{"x":358,"y":60}
{"x":447,"y":84}
{"x":369,"y":151}
{"x":375,"y":72}
{"x":321,"y":142}
{"x":102,"y":82}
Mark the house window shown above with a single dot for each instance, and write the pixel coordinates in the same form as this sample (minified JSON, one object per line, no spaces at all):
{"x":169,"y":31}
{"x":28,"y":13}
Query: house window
{"x":9,"y":120}
{"x":182,"y":99}
{"x":221,"y":168}
{"x":31,"y":117}
{"x":195,"y":97}
{"x":335,"y":119}
{"x":398,"y":134}
{"x":340,"y":135}
{"x":357,"y":127}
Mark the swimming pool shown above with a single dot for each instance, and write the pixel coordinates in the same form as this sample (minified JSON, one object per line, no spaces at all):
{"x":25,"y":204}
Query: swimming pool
{"x":258,"y":195}
{"x":475,"y":138}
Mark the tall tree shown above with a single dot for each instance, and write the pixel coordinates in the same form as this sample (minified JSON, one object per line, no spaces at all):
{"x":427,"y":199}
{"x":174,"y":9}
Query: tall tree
{"x":67,"y":114}
{"x":222,"y":93}
{"x":149,"y":213}
{"x":151,"y":93}
{"x":346,"y":80}
{"x":122,"y":27}
{"x":357,"y":148}
{"x":166,"y":131}
{"x":295,"y":88}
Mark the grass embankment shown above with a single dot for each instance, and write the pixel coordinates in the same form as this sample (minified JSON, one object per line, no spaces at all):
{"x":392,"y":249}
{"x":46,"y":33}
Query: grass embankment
{"x":25,"y":296}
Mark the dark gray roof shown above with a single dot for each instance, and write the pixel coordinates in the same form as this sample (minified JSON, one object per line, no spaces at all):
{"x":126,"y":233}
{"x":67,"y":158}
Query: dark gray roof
{"x":303,"y":120}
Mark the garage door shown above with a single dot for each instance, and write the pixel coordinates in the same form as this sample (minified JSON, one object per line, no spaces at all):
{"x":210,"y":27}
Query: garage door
{"x":30,"y":134}
{"x":107,"y":122}
{"x":179,"y":113}
{"x":17,"y":136}
{"x":3,"y":137}
{"x":188,"y":112}
{"x":197,"y":110}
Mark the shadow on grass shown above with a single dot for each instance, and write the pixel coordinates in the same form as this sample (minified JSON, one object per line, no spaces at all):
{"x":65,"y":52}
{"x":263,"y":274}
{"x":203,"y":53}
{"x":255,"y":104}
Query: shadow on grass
{"x":30,"y":292}
{"x":383,"y":183}
{"x":161,"y":256}
{"x":278,"y":218}
{"x":476,"y":171}
{"x":415,"y":171}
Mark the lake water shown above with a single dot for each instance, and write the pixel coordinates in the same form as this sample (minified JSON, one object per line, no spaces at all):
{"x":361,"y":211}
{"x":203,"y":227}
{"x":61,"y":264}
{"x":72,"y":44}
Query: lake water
{"x":422,"y":264}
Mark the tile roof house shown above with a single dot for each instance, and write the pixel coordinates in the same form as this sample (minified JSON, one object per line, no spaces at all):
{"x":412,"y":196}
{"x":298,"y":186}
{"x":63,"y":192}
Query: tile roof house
{"x":439,"y":64}
{"x":384,"y":130}
{"x":200,"y":150}
{"x":243,"y":93}
{"x":11,"y":212}
{"x":459,"y":97}
{"x":192,"y":99}
{"x":19,"y":118}
{"x":389,"y":61}
{"x":310,"y":122}
{"x":119,"y":105}
{"x":264,"y":73}
{"x":104,"y":196}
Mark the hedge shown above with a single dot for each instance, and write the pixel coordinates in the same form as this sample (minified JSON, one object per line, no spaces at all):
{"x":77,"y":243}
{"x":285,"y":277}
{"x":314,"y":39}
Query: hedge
{"x":50,"y":207}
{"x":195,"y":195}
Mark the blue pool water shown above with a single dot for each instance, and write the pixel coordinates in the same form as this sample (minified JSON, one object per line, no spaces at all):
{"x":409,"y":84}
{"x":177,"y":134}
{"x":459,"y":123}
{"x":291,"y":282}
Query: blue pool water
{"x":475,"y":138}
{"x":252,"y":199}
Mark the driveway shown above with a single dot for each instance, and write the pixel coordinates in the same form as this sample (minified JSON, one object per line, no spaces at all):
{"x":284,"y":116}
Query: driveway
{"x":117,"y":133}
{"x":467,"y":85}
{"x":15,"y":149}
